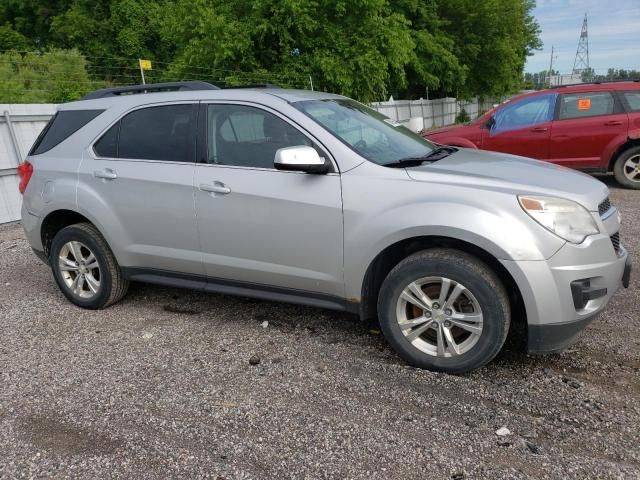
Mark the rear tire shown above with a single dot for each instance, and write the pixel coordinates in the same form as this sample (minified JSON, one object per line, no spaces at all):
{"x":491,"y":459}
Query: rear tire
{"x":468,"y":318}
{"x":85,"y":269}
{"x":626,"y":170}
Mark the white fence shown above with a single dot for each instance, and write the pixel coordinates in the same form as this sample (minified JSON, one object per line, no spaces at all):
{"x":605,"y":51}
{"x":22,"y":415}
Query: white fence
{"x":20,"y":124}
{"x":422,"y":114}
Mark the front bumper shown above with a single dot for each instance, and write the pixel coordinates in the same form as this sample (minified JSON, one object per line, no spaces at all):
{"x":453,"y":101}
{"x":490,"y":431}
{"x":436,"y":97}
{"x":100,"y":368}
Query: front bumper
{"x":554,"y":316}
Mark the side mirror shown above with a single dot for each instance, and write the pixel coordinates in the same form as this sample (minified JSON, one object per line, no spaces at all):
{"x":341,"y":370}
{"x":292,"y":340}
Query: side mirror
{"x":300,"y":158}
{"x":490,"y":122}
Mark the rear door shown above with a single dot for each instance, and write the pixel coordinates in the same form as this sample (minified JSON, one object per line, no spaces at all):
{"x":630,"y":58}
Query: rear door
{"x":142,"y":170}
{"x":522,"y":127}
{"x":585,"y":125}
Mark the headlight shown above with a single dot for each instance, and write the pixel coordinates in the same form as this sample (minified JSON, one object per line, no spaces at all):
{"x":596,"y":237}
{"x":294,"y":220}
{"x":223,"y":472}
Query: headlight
{"x":567,"y":219}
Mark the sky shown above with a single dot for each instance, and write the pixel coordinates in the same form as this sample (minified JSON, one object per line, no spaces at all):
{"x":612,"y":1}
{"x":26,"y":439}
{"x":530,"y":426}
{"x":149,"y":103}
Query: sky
{"x":614,"y":34}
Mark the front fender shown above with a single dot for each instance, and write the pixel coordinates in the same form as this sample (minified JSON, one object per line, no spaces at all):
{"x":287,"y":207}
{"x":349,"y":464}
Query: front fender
{"x":492,"y":220}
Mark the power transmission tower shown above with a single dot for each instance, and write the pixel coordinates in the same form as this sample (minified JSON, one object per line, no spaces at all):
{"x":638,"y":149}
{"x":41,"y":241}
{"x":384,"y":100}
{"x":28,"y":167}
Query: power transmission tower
{"x":582,"y":55}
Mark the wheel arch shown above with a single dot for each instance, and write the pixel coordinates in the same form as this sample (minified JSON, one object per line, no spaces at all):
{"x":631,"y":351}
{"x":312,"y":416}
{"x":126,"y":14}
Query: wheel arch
{"x":388,"y":258}
{"x":630,"y":143}
{"x":56,"y":220}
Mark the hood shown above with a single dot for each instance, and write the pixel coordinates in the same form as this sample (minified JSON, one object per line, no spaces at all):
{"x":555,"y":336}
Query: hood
{"x":512,"y":174}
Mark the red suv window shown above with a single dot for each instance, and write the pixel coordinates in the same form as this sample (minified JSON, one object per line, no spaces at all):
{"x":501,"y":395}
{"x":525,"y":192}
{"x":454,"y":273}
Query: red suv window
{"x":581,"y":105}
{"x":633,"y":100}
{"x":524,"y":113}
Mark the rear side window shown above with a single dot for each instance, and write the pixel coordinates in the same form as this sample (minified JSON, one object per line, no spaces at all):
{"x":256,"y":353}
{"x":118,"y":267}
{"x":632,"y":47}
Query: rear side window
{"x":583,"y":105}
{"x":107,"y":146}
{"x":61,"y":126}
{"x":633,"y":100}
{"x":159,"y":133}
{"x":155,"y":133}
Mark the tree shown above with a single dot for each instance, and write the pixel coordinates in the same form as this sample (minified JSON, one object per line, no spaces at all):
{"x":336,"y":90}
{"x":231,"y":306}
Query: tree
{"x":367,"y":49}
{"x":54,"y":77}
{"x":492,"y":38}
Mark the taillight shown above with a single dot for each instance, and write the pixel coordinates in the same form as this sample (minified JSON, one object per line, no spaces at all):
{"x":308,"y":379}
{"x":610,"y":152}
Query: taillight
{"x":25,"y":170}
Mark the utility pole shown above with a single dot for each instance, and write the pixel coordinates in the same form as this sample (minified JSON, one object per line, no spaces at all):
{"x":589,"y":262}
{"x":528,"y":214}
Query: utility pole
{"x":550,"y":67}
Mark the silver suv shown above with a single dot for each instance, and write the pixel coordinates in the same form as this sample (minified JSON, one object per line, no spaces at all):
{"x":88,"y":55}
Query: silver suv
{"x":314,"y":198}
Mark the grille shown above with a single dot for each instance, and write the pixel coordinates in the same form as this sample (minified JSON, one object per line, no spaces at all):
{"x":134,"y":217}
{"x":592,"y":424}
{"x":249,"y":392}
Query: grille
{"x":615,"y":241}
{"x":604,"y":207}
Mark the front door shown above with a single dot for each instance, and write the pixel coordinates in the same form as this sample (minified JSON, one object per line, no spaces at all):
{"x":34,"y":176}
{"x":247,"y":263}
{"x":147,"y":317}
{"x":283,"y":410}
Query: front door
{"x":143,"y":168}
{"x":259,"y":226}
{"x":522,"y":127}
{"x":586,"y":124}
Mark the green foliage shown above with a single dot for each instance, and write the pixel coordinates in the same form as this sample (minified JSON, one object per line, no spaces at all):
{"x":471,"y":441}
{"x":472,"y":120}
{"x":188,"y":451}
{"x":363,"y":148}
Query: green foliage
{"x":463,"y":116}
{"x":367,"y":49}
{"x":12,"y":40}
{"x":53,"y":77}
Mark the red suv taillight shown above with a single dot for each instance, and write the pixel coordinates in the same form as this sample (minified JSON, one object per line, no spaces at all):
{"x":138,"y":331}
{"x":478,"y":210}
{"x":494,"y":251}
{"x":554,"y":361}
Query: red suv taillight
{"x":25,"y":170}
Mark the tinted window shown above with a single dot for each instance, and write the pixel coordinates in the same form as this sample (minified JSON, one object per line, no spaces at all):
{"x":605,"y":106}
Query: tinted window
{"x":633,"y":100}
{"x":107,"y":146}
{"x":366,"y":131}
{"x":159,"y":133}
{"x":581,"y":105}
{"x":247,"y":136}
{"x":61,"y":126}
{"x":524,"y":113}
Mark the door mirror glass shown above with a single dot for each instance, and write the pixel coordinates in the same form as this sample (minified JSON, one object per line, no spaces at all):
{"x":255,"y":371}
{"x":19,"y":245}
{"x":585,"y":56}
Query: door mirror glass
{"x":300,"y":158}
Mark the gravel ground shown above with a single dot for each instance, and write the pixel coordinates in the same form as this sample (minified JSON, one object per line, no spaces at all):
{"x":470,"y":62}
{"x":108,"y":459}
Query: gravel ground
{"x":161,"y":386}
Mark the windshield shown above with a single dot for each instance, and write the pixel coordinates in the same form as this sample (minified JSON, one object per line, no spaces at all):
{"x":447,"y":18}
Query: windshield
{"x":366,"y":131}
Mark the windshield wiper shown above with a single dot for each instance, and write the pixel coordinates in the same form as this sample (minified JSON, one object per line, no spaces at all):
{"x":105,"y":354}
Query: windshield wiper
{"x":433,"y":156}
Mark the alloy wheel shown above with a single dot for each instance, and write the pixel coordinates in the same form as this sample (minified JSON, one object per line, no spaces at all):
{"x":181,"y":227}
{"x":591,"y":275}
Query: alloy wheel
{"x":631,"y":168}
{"x":79,"y":269}
{"x":439,"y":316}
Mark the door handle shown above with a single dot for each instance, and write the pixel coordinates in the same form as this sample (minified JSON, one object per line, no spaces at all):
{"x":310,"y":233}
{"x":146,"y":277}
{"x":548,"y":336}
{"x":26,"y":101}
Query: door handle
{"x":539,"y":129}
{"x":216,"y":187}
{"x":107,"y":174}
{"x":613,"y":123}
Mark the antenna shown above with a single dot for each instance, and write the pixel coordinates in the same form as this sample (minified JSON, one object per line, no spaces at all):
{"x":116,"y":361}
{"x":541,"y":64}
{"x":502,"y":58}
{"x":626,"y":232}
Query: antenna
{"x":581,"y":62}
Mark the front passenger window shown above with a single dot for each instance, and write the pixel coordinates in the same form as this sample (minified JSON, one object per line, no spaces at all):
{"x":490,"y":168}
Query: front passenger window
{"x":524,"y":113}
{"x":247,"y":136}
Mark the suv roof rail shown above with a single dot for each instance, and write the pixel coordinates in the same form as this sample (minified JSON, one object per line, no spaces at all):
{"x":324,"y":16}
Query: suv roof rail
{"x":150,"y":87}
{"x":597,"y":82}
{"x":253,"y":85}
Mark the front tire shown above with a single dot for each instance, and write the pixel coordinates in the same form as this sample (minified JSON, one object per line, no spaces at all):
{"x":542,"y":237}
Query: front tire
{"x":626,"y":170}
{"x":444,"y":310}
{"x":85,"y":269}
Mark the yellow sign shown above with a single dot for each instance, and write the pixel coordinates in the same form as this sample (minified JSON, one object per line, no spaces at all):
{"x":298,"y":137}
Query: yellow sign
{"x":145,"y":64}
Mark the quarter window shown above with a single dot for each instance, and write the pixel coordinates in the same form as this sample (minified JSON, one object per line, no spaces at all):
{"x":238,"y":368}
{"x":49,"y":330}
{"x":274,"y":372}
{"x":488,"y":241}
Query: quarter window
{"x":247,"y":136}
{"x":583,"y":105}
{"x":633,"y":100}
{"x":524,"y":113}
{"x":154,"y":133}
{"x":61,"y":126}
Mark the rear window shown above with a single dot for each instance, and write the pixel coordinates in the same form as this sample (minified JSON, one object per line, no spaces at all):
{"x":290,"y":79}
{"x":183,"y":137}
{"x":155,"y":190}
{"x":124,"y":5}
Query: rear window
{"x":633,"y":100}
{"x":61,"y":126}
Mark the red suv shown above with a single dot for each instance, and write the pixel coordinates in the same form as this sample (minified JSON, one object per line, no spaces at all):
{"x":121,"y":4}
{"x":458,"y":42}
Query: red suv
{"x":591,"y":127}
